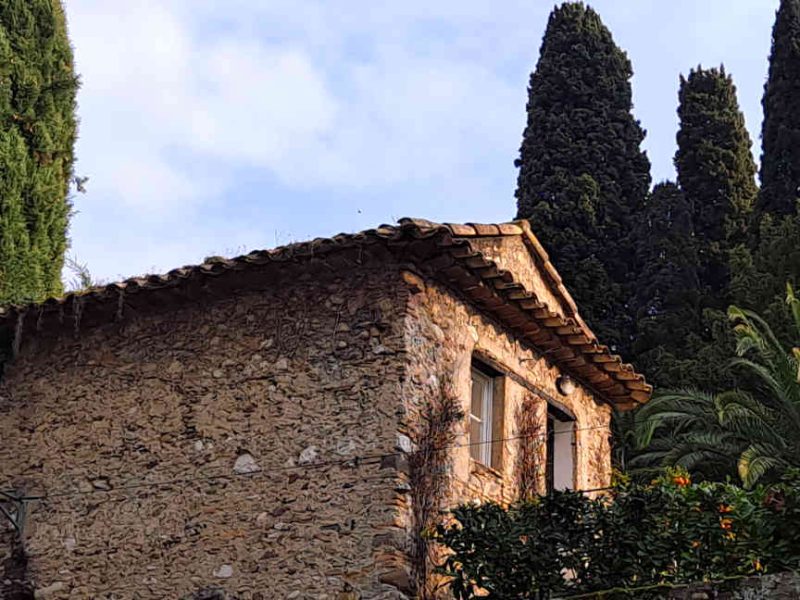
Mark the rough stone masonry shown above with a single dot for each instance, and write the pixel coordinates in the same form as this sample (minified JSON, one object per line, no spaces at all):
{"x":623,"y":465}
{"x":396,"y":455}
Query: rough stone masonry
{"x":236,"y":430}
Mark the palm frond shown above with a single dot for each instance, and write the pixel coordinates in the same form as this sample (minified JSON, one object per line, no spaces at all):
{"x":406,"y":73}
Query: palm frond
{"x":754,"y":432}
{"x":753,"y":328}
{"x":755,"y":462}
{"x":794,"y":308}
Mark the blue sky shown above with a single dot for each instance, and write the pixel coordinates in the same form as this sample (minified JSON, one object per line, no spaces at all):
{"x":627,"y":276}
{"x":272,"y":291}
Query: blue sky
{"x":214,"y":127}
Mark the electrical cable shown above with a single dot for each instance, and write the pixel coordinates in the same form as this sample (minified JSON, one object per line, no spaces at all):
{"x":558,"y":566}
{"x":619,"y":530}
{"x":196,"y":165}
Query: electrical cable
{"x":651,"y":587}
{"x":351,"y":461}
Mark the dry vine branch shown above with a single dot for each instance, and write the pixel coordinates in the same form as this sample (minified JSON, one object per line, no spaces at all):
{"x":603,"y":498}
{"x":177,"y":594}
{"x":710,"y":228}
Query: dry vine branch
{"x":530,"y":451}
{"x":429,"y":475}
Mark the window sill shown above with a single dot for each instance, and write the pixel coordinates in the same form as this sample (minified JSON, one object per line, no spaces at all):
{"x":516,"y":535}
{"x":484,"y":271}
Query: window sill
{"x":478,"y":468}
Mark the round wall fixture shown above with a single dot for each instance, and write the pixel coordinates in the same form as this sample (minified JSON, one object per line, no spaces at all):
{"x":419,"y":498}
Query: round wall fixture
{"x":565,"y":385}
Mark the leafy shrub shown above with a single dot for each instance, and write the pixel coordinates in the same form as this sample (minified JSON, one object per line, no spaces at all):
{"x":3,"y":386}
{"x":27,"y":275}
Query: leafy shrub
{"x":669,"y":532}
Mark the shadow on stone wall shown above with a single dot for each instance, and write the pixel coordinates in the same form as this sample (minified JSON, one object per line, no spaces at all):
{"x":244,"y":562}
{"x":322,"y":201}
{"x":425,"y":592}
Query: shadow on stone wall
{"x":14,"y":583}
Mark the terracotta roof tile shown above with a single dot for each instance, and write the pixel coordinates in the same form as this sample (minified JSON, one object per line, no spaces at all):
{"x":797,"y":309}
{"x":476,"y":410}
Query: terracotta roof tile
{"x":486,"y":230}
{"x":461,"y":230}
{"x":566,"y":340}
{"x":509,"y":229}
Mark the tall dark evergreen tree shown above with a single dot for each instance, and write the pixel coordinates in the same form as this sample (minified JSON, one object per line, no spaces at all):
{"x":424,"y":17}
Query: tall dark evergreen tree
{"x":759,"y":276}
{"x":583,"y":176}
{"x":37,"y":136}
{"x":716,"y":172}
{"x":668,"y":290}
{"x":780,"y":160}
{"x":773,"y":260}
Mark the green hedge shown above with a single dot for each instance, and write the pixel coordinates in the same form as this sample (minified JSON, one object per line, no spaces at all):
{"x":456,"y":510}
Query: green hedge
{"x":667,"y":533}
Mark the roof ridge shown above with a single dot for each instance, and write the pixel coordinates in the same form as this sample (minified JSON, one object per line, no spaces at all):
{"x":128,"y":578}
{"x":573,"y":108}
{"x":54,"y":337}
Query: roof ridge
{"x":469,"y":229}
{"x":566,"y":338}
{"x":517,"y":227}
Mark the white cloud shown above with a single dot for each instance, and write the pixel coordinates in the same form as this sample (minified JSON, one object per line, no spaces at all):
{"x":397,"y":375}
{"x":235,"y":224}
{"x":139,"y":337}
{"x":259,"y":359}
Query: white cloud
{"x":160,"y":102}
{"x":173,"y":104}
{"x":363,"y":110}
{"x":257,"y":104}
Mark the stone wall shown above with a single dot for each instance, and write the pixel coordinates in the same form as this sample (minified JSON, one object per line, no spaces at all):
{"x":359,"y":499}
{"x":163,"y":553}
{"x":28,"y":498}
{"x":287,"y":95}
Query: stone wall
{"x":250,"y":444}
{"x":783,"y":586}
{"x":207,"y":449}
{"x":444,"y":334}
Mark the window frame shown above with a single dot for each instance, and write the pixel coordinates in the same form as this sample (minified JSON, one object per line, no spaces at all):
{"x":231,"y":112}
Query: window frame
{"x":481,"y":449}
{"x":554,"y":414}
{"x":487,"y":450}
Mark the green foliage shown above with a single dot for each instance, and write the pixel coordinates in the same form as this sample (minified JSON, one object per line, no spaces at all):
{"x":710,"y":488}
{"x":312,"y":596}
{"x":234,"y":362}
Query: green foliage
{"x":716,"y":172}
{"x":37,"y":135}
{"x":683,"y":428}
{"x":81,"y":276}
{"x":686,"y":238}
{"x":661,"y":534}
{"x":752,"y":431}
{"x":583,"y":177}
{"x":773,"y":255}
{"x":760,"y":275}
{"x":780,"y":161}
{"x":669,"y":315}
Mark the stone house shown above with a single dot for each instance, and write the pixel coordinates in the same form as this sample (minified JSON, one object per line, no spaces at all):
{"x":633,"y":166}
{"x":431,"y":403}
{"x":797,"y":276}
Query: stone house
{"x":252,"y":428}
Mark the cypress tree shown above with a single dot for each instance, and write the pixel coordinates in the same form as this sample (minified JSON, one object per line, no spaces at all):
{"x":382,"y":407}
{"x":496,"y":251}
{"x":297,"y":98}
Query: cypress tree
{"x":763,"y":270}
{"x":37,"y":136}
{"x":716,"y":171}
{"x":759,"y":276}
{"x":780,"y":160}
{"x":668,"y":290}
{"x":690,"y":343}
{"x":583,"y":177}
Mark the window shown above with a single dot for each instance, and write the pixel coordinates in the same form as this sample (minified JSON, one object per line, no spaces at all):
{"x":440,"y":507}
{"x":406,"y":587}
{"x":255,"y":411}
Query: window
{"x":560,"y":466}
{"x":481,"y":417}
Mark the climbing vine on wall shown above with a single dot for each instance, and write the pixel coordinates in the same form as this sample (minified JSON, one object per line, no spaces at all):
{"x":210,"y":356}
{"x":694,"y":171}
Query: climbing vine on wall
{"x":530,"y":453}
{"x":430,"y":477}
